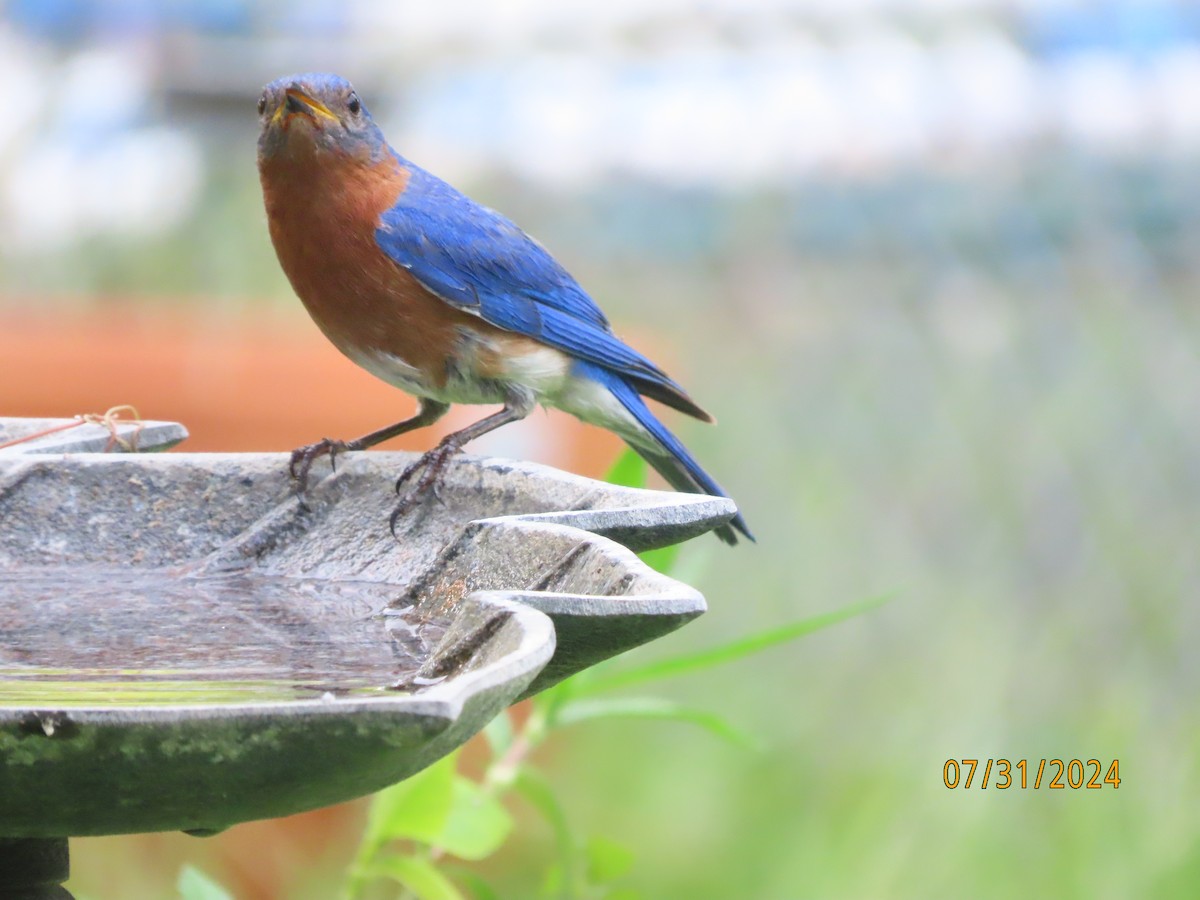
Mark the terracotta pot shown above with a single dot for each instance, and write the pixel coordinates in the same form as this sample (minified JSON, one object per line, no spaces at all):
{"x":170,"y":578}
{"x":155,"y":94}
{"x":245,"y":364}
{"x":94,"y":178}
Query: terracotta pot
{"x":263,"y":380}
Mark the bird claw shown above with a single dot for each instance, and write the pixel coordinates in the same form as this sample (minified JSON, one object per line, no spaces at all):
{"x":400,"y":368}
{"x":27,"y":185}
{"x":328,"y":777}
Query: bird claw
{"x":431,"y":467}
{"x":303,"y":458}
{"x":403,"y":508}
{"x":409,"y":471}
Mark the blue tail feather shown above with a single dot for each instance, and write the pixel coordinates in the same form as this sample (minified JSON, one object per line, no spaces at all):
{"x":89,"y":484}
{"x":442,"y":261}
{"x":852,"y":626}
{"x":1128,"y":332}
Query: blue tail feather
{"x":675,"y":463}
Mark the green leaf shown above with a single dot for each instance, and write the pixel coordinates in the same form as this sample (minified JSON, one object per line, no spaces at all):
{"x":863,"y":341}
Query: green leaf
{"x":416,"y":808}
{"x":499,"y":733}
{"x":607,"y":860}
{"x":538,"y":793}
{"x":478,"y":823}
{"x":662,"y":559}
{"x":733,"y":650}
{"x":584,"y":710}
{"x":553,"y":883}
{"x":628,"y":471}
{"x":478,"y":888}
{"x":417,"y":874}
{"x":195,"y":885}
{"x":440,"y":809}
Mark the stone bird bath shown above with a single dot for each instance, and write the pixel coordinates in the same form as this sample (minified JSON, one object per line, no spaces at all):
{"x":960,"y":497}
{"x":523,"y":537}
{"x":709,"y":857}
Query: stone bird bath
{"x":183,"y":646}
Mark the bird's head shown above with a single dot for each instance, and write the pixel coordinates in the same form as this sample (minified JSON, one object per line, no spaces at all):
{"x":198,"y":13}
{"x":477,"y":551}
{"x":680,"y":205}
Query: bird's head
{"x":316,"y":115}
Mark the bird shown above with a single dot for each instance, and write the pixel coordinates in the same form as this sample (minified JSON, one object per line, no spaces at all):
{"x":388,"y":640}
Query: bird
{"x":442,"y":297}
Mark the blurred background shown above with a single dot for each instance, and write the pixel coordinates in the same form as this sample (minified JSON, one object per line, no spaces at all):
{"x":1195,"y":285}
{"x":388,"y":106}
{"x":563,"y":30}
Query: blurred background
{"x":931,"y":263}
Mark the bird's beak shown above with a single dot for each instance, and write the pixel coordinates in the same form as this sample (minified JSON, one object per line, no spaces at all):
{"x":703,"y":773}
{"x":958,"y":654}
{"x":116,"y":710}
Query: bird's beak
{"x":296,"y":102}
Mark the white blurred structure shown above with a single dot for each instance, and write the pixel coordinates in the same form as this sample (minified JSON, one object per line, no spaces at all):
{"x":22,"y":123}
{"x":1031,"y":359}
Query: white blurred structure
{"x":718,"y":94}
{"x":877,"y":99}
{"x":79,"y":158}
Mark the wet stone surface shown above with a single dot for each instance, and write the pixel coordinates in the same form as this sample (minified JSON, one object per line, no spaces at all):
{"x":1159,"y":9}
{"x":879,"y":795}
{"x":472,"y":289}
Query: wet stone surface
{"x":86,"y":635}
{"x":184,"y":646}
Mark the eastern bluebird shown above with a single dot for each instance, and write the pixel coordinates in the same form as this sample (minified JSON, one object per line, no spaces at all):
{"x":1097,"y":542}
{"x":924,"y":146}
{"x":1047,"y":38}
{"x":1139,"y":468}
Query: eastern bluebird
{"x":442,"y":297}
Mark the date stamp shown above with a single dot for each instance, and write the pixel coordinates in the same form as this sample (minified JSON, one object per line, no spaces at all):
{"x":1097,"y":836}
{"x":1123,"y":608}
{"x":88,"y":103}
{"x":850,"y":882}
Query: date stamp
{"x":1023,"y":774}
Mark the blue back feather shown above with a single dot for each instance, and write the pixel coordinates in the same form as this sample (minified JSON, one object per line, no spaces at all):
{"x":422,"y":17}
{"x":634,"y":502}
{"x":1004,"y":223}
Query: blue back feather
{"x":478,"y":260}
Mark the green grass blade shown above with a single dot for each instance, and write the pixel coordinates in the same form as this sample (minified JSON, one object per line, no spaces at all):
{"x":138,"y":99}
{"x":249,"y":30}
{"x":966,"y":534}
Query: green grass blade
{"x":651,"y":708}
{"x":628,"y":471}
{"x":549,"y":701}
{"x":734,"y":650}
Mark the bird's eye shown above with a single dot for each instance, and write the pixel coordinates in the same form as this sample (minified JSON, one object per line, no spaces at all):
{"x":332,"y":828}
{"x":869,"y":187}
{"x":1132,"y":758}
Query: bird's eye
{"x":262,"y":104}
{"x":353,"y":104}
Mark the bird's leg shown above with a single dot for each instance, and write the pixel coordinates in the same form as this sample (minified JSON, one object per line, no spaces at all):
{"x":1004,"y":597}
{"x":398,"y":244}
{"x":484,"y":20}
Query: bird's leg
{"x":304,"y":457}
{"x":431,"y":464}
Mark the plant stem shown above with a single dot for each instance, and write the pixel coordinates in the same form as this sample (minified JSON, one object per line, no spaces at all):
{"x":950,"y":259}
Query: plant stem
{"x":502,"y":772}
{"x":498,"y":777}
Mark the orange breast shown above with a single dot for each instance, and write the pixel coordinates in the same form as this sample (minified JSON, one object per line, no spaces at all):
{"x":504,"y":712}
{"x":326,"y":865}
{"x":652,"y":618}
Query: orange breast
{"x":322,"y":215}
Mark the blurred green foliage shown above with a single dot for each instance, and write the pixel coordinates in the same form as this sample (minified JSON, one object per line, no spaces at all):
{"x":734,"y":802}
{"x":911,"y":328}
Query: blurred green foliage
{"x":195,"y":885}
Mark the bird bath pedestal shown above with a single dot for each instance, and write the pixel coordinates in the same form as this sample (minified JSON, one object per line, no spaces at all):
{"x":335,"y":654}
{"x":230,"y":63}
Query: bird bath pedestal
{"x":183,"y":646}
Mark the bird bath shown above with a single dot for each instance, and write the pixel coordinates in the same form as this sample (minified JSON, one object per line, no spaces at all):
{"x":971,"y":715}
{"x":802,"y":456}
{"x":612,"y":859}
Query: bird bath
{"x":183,"y":646}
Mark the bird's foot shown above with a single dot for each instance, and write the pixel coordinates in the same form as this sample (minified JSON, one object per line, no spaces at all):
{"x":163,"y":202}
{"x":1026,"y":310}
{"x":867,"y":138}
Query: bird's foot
{"x":303,"y":458}
{"x":423,"y":475}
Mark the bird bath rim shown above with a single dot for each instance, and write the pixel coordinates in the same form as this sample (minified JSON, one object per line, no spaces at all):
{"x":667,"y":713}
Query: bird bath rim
{"x":574,"y":595}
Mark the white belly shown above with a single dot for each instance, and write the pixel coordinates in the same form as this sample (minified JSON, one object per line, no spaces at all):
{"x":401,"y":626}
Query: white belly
{"x":544,"y":372}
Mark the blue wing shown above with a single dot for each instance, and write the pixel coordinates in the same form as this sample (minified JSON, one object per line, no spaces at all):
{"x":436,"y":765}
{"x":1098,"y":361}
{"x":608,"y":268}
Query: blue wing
{"x":477,"y":260}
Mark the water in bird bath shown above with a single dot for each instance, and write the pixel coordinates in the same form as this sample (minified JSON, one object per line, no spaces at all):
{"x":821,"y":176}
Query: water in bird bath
{"x":93,"y":637}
